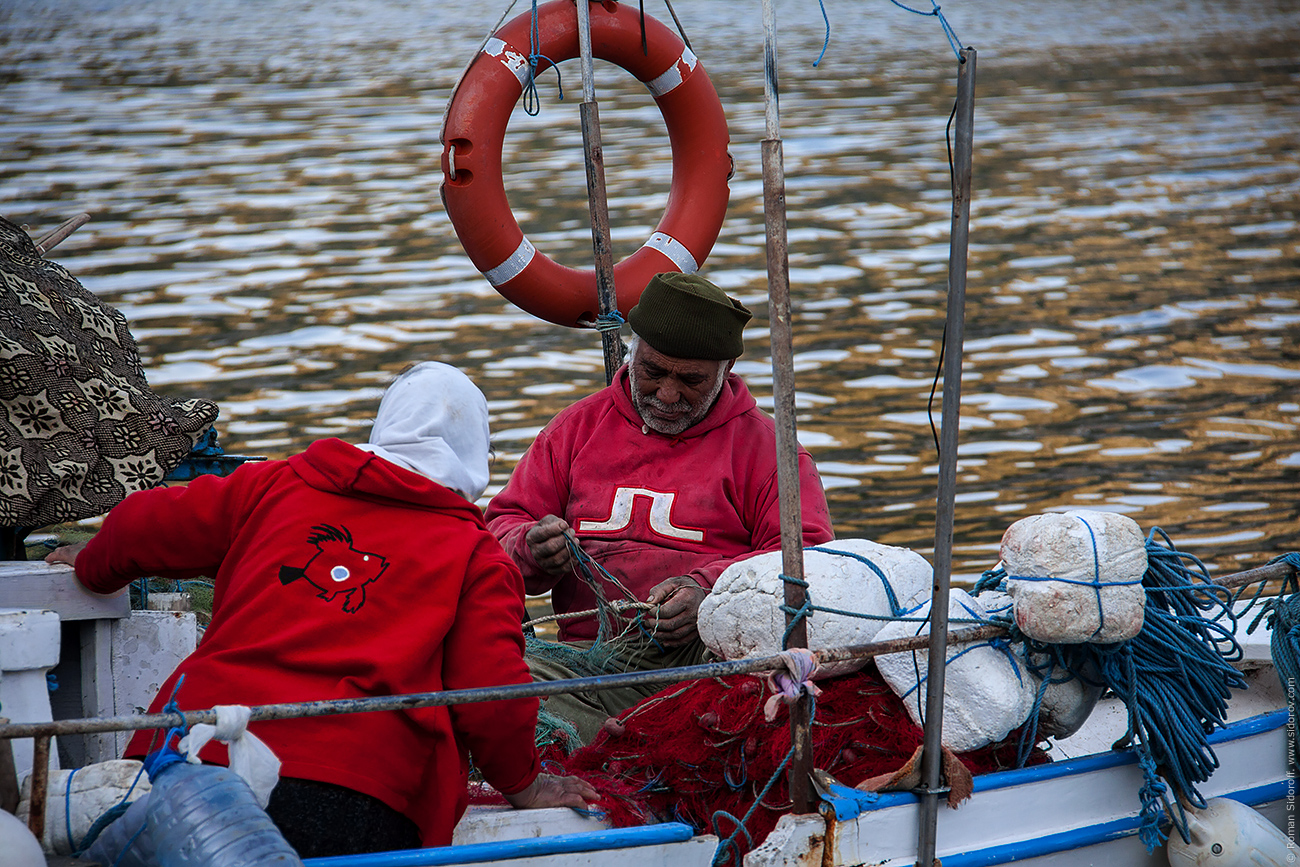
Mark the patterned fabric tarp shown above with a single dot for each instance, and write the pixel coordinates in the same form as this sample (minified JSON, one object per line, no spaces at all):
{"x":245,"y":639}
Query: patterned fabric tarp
{"x":79,"y":426}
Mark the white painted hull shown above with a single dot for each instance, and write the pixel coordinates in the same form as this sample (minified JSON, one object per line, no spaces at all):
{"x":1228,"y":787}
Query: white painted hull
{"x":1067,"y":814}
{"x":1081,"y":810}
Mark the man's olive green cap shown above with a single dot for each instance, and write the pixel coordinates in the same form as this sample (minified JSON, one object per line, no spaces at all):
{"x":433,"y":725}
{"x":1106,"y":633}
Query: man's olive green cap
{"x":686,"y":316}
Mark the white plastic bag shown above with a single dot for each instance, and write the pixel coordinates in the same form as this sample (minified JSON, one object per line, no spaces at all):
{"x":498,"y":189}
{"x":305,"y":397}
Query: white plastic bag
{"x":249,"y":756}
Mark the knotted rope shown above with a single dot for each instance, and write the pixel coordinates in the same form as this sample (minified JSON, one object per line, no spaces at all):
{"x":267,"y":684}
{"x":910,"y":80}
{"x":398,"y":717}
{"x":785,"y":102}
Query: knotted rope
{"x":532,"y":102}
{"x":953,"y":41}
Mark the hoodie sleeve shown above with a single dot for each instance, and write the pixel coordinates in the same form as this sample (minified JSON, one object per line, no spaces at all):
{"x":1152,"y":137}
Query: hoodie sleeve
{"x":173,"y":532}
{"x":539,"y":486}
{"x":766,"y":532}
{"x":485,"y":647}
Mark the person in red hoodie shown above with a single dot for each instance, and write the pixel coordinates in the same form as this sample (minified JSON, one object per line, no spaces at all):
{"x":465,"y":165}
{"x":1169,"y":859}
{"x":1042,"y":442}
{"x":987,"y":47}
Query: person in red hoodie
{"x":343,"y":572}
{"x":665,"y":477}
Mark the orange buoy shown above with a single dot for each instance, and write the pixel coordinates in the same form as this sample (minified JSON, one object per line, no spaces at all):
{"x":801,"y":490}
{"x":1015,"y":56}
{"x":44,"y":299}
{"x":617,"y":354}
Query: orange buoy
{"x":474,"y":127}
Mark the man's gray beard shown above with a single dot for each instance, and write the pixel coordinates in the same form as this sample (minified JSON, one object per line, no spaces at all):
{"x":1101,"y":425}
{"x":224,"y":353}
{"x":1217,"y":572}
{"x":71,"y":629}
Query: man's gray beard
{"x":644,"y":403}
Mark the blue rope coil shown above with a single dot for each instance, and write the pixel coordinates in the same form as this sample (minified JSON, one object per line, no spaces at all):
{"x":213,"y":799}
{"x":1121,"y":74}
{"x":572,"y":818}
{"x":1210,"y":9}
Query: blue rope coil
{"x":1175,"y":678}
{"x":1283,"y":615}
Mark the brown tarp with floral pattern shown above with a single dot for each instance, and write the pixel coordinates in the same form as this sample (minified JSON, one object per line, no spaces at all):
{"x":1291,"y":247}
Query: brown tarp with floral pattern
{"x":79,"y":426}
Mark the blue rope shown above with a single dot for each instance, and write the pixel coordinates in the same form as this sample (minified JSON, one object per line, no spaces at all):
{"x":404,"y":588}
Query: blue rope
{"x":67,"y":808}
{"x":107,"y":818}
{"x":127,"y":848}
{"x":894,"y":607}
{"x":611,"y":321}
{"x":1174,"y":677}
{"x":992,"y":579}
{"x":947,"y":28}
{"x":160,"y":760}
{"x":1283,"y":615}
{"x":720,"y":855}
{"x":796,"y":614}
{"x":532,"y":102}
{"x":827,"y":41}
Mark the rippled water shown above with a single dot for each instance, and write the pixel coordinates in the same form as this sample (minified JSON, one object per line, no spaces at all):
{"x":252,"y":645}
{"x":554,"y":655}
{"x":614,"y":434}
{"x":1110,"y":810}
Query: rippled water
{"x":264,"y":185}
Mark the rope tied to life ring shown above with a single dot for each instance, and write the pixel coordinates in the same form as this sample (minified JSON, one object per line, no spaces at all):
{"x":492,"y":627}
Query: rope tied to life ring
{"x":473,"y":188}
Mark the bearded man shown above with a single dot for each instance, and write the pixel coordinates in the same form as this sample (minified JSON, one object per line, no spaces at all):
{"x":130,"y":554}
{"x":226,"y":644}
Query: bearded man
{"x":665,"y":477}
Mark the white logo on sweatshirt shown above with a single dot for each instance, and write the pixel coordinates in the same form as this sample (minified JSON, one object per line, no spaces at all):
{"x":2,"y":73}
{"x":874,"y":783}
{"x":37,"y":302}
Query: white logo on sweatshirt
{"x":661,"y":508}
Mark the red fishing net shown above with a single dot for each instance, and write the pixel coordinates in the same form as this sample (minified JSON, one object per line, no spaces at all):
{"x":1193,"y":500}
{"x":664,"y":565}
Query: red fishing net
{"x":704,"y":746}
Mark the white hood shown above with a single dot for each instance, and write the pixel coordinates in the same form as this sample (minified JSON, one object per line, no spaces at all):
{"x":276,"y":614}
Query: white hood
{"x":434,"y":420}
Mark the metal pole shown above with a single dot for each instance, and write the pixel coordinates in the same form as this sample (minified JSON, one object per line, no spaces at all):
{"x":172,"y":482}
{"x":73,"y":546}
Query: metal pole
{"x":931,"y":756}
{"x":530,"y":689}
{"x":597,"y":201}
{"x":787,"y":443}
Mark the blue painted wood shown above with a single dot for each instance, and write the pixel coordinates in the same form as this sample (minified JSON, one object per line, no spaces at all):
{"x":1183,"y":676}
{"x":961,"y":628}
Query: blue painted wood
{"x":1081,"y":838}
{"x":477,"y":853}
{"x":850,"y":803}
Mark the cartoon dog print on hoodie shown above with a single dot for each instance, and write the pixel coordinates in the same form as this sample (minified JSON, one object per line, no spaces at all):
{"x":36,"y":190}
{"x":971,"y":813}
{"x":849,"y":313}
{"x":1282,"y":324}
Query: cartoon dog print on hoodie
{"x":337,"y":568}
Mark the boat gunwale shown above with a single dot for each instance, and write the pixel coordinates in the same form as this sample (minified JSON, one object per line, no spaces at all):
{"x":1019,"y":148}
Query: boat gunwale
{"x":849,"y":803}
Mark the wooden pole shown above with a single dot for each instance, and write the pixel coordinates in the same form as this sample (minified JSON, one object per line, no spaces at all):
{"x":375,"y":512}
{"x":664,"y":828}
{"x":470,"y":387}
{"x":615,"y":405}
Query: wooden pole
{"x":597,"y":200}
{"x":40,"y":786}
{"x":787,"y":442}
{"x":8,"y":775}
{"x":931,"y":756}
{"x":54,"y":237}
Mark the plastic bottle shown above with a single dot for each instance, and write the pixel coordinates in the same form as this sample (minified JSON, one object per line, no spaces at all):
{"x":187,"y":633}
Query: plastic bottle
{"x":206,"y":816}
{"x":107,"y":848}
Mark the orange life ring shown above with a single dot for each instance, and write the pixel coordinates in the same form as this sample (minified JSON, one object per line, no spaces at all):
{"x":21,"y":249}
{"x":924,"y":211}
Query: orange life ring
{"x":474,"y":127}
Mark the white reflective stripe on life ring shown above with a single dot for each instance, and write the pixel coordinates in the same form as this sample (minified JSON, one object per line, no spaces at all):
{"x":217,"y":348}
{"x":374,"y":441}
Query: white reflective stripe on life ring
{"x":511,"y":60}
{"x":514,"y":264}
{"x":671,"y":78}
{"x":675,"y":250}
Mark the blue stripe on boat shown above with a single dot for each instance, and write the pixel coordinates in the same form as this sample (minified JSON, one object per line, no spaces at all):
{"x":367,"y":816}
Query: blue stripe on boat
{"x":1081,"y":838}
{"x":474,"y":853}
{"x":849,"y":803}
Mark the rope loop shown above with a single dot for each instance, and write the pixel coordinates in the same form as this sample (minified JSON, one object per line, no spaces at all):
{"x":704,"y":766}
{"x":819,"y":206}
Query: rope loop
{"x":953,"y":41}
{"x":727,"y":849}
{"x":533,"y":102}
{"x":611,"y":321}
{"x":796,"y":614}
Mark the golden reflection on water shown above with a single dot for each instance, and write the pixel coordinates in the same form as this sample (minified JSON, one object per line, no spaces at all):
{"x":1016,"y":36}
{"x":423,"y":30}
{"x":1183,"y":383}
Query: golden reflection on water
{"x":266,"y":214}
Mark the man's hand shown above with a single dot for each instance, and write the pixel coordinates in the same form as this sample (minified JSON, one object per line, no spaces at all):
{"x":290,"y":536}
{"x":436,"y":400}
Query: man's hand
{"x":679,"y":601}
{"x":65,"y":554}
{"x":546,"y":542}
{"x":549,"y":790}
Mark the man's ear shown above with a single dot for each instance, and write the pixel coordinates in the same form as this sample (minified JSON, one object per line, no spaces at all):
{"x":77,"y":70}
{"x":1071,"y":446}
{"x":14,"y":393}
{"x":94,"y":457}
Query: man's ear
{"x":730,"y":364}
